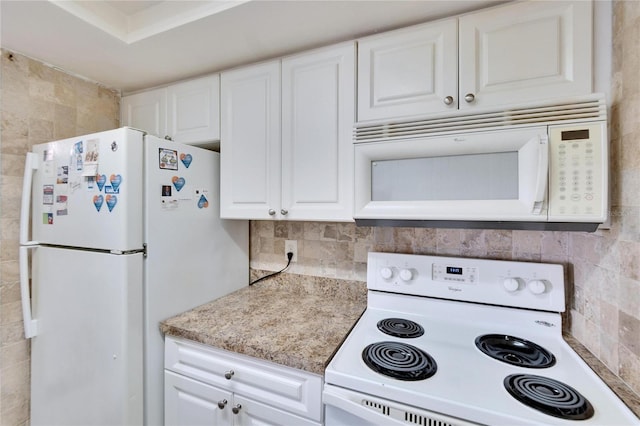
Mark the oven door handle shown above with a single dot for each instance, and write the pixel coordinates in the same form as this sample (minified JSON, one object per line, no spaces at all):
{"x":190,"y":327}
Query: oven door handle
{"x":339,"y":398}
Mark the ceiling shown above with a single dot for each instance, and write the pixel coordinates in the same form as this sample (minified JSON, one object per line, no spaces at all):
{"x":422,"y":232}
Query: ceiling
{"x":133,"y":45}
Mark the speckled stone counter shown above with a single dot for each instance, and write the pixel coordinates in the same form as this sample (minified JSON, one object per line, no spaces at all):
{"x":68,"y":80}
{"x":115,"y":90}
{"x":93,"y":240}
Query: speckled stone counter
{"x":293,"y":320}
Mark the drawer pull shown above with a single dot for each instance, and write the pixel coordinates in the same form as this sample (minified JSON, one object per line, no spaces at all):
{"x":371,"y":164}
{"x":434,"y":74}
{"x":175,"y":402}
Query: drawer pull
{"x":236,"y":409}
{"x":222,"y":404}
{"x":229,"y":374}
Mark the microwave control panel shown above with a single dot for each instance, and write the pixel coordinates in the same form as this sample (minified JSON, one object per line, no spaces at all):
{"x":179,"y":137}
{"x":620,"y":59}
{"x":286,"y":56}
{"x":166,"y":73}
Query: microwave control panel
{"x":577,"y":172}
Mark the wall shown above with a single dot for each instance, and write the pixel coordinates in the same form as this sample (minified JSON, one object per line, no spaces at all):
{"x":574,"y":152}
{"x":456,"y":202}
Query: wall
{"x":603,"y":268}
{"x":37,"y":104}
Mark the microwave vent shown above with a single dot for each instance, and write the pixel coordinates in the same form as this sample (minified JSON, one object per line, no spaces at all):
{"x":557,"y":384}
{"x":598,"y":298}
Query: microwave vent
{"x":576,"y":110}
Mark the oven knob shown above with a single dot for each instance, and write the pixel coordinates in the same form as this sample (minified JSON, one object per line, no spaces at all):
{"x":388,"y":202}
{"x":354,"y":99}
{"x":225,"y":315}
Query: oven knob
{"x":537,"y":286}
{"x":511,"y":284}
{"x":406,"y":275}
{"x":386,"y":273}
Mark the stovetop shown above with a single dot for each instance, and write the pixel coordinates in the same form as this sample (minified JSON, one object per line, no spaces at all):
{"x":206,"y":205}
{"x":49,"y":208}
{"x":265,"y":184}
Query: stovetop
{"x":467,"y":383}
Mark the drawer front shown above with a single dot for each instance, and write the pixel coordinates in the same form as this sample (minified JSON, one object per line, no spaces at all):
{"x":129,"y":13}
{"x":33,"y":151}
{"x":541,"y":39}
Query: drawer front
{"x":283,"y":387}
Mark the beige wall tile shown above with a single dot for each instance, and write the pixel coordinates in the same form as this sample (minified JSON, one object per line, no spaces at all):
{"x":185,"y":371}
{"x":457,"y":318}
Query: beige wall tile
{"x":37,"y":104}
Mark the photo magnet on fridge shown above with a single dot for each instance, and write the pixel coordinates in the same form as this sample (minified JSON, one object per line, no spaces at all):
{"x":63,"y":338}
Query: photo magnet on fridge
{"x":168,"y":159}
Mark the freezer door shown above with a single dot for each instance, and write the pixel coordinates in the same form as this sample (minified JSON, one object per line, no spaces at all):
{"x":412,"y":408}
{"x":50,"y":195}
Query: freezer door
{"x":87,"y":191}
{"x":86,"y":360}
{"x":193,"y":256}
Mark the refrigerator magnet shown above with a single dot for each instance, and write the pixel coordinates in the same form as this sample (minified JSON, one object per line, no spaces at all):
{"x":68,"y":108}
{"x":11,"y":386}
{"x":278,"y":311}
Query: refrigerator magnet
{"x":111,"y":200}
{"x":47,"y":195}
{"x":203,"y":203}
{"x":186,"y":159}
{"x":178,"y":182}
{"x":168,"y":159}
{"x":91,"y":158}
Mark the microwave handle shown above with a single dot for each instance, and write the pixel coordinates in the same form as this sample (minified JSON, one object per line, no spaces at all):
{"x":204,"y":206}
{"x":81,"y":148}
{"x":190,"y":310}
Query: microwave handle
{"x":543,"y":173}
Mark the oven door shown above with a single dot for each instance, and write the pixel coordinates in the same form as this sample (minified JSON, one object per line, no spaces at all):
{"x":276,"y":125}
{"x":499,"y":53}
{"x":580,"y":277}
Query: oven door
{"x":348,"y":408}
{"x":497,"y":175}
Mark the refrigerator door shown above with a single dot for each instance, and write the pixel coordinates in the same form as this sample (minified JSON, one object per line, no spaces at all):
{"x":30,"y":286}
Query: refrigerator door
{"x":87,"y":191}
{"x":86,"y":360}
{"x":192,"y":255}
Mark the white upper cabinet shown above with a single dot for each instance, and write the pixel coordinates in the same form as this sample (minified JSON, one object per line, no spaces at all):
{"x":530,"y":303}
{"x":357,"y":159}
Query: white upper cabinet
{"x":510,"y":54}
{"x":318,"y":112}
{"x":305,"y":172}
{"x":146,"y":111}
{"x":525,"y":52}
{"x":186,"y":112}
{"x":193,"y":110}
{"x":408,"y":71}
{"x":250,"y":142}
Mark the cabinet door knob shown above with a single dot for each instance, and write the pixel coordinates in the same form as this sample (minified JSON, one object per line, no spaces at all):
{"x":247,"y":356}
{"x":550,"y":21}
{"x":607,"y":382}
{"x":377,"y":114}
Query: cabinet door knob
{"x":448,"y":100}
{"x":469,"y":97}
{"x":272,"y":212}
{"x":229,"y":374}
{"x":284,"y":212}
{"x":222,"y":404}
{"x":236,"y":409}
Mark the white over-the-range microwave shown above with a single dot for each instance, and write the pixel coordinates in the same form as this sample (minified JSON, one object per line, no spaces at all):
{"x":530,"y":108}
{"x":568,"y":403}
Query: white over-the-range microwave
{"x":541,"y":167}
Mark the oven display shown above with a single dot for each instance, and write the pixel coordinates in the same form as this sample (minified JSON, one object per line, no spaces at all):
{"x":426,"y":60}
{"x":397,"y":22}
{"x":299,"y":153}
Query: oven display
{"x":454,"y":274}
{"x":455,"y":270}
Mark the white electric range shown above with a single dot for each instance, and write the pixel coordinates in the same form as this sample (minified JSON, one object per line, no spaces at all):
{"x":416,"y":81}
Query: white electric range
{"x":458,"y":341}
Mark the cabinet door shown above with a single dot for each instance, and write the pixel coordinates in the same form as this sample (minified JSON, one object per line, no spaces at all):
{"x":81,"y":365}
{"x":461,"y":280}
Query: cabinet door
{"x":525,"y":52}
{"x":188,"y":402}
{"x":250,"y":142}
{"x":146,"y":111}
{"x":252,"y":413}
{"x":194,"y":111}
{"x":408,"y":72}
{"x":318,"y":113}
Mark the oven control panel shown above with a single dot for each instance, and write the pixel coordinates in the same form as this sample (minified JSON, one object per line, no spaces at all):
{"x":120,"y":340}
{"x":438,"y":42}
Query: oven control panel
{"x":446,"y":272}
{"x":506,"y":283}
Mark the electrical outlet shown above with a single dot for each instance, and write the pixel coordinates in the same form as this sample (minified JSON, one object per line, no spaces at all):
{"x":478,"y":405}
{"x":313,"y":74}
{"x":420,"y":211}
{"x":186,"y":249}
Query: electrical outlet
{"x":291,"y":246}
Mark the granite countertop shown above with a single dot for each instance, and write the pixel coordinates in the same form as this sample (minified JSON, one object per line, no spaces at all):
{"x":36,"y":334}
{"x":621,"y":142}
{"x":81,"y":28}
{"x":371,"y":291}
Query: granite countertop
{"x":293,"y":320}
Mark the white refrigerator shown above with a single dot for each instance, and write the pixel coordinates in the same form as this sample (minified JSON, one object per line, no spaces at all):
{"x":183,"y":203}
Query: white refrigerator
{"x":119,"y":231}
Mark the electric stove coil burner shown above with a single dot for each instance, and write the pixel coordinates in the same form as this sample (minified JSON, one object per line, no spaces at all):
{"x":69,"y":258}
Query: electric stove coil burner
{"x":515,"y":351}
{"x":549,"y":396}
{"x":399,"y":327}
{"x":399,"y":360}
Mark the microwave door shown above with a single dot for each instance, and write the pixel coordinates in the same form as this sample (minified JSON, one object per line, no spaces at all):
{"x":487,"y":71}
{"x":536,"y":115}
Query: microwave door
{"x":488,"y":176}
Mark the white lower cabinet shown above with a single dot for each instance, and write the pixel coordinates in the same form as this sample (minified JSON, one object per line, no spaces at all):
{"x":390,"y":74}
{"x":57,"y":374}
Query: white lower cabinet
{"x":209,"y":386}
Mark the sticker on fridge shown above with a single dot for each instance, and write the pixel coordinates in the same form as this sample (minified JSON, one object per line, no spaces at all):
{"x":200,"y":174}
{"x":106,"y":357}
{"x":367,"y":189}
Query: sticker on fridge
{"x":76,"y":156}
{"x":168,"y":159}
{"x":47,"y":195}
{"x":91,"y":157}
{"x":63,"y":175}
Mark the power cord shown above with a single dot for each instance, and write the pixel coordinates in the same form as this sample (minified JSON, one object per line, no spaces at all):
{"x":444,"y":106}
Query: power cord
{"x":289,"y":256}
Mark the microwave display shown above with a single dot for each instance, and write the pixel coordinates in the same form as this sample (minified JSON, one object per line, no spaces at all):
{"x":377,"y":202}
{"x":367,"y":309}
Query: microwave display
{"x":572,"y":135}
{"x":486,"y":176}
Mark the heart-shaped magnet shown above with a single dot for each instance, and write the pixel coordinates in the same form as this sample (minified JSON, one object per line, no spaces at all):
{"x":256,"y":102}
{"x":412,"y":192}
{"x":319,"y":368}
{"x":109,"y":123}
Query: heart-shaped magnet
{"x":112,"y":200}
{"x":203,"y":203}
{"x":186,"y":159}
{"x":178,"y":182}
{"x":97,"y":201}
{"x":101,"y":180}
{"x":115,"y":181}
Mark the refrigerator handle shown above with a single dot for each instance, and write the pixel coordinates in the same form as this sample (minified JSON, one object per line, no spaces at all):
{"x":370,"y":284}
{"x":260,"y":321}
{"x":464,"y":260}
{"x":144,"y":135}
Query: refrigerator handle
{"x":30,"y":325}
{"x":30,"y":166}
